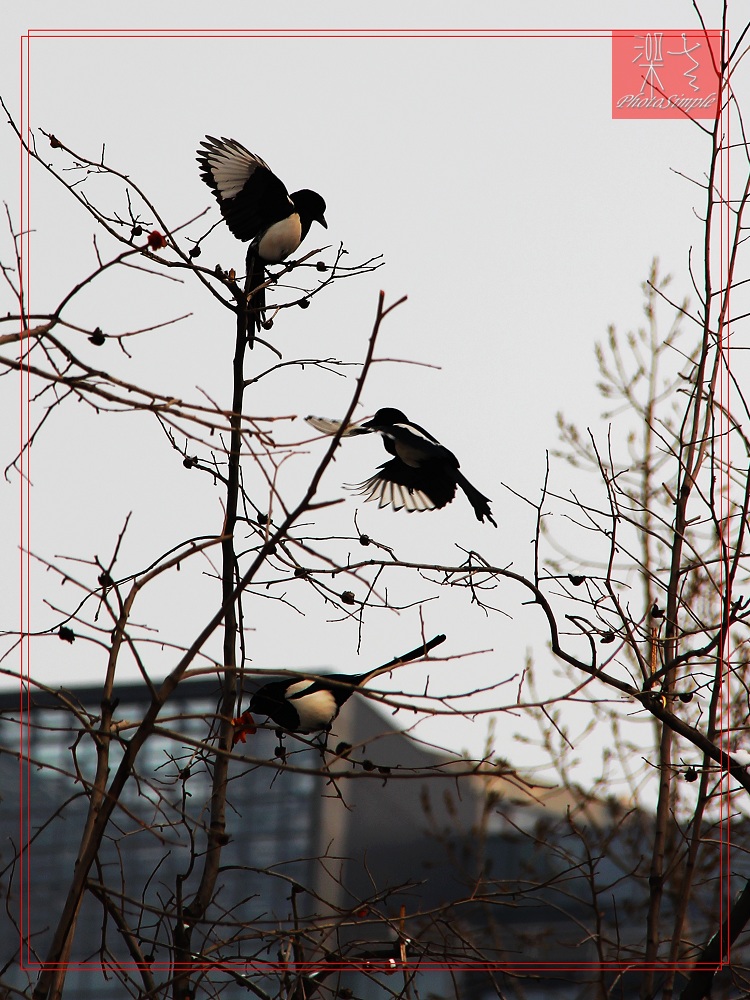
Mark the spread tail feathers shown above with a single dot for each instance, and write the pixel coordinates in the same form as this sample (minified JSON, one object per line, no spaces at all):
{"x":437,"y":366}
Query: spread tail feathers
{"x":478,"y":501}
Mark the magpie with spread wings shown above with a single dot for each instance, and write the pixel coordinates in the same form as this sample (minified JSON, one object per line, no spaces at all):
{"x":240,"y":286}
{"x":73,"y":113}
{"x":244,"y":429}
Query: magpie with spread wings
{"x":422,"y":475}
{"x":257,"y":207}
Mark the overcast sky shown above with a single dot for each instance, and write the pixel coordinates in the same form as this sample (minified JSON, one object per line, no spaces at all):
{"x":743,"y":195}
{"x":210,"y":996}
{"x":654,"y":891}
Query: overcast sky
{"x":517,"y":216}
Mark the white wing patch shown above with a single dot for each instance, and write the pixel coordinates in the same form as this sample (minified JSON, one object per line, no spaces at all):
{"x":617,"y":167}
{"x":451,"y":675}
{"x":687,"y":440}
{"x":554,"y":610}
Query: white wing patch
{"x":297,"y":689}
{"x":231,"y":165}
{"x":399,"y":497}
{"x":412,"y":445}
{"x":412,"y":429}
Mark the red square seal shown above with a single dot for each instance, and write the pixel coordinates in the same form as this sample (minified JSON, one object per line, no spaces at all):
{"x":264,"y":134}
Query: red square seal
{"x":665,"y":74}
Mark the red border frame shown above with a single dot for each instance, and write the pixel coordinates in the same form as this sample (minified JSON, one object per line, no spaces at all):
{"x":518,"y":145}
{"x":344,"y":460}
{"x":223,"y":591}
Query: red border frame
{"x":24,"y":477}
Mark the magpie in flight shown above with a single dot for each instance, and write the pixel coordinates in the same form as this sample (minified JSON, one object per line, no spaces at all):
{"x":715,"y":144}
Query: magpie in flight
{"x":257,"y":207}
{"x":422,"y":475}
{"x":312,"y":704}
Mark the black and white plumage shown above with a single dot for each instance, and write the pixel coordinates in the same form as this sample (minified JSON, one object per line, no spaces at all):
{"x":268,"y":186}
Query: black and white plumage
{"x":422,"y":475}
{"x":310,"y":705}
{"x":257,"y":208}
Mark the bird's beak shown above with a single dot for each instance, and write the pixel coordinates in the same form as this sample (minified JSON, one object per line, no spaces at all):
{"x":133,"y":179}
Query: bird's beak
{"x":323,"y":222}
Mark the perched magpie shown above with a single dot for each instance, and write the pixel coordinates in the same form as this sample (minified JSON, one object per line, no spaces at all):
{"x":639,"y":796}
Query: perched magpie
{"x":257,"y":207}
{"x":312,"y":704}
{"x":422,"y":475}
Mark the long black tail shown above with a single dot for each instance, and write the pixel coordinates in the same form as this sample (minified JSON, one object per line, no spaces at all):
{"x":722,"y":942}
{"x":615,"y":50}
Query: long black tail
{"x":255,"y":296}
{"x":478,"y":501}
{"x":413,"y":654}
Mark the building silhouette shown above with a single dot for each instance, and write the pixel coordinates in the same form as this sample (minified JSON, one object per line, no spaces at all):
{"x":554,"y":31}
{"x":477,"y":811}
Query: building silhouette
{"x":404,"y":852}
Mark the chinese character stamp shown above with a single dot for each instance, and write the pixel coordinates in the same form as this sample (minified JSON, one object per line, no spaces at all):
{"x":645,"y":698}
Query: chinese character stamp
{"x":665,"y":74}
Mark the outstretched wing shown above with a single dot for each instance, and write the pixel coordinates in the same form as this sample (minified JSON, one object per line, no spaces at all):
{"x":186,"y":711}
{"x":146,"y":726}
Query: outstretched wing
{"x":328,"y":426}
{"x":250,"y":195}
{"x":407,"y":487}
